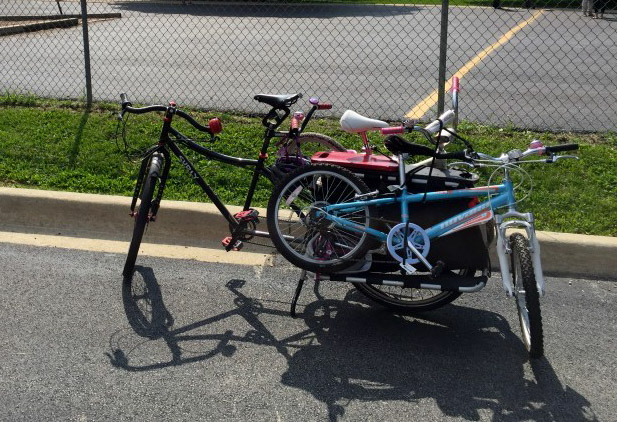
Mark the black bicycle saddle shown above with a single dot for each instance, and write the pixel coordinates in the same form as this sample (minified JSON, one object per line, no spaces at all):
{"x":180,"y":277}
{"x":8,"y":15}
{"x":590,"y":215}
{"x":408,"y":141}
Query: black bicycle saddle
{"x":278,"y":101}
{"x":397,"y":145}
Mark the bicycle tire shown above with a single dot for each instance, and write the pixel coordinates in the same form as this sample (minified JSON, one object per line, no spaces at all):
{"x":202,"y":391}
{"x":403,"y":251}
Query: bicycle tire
{"x":141,"y":216}
{"x":312,"y":142}
{"x":302,"y":237}
{"x":526,"y":296}
{"x":408,"y":301}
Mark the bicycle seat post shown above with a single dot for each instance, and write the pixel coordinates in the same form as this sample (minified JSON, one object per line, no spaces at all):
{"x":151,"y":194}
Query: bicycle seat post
{"x":367,"y":146}
{"x":403,"y":187}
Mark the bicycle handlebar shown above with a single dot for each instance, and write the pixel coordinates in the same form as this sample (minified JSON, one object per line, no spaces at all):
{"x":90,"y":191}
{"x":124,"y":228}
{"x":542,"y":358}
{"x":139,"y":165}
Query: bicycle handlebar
{"x":214,"y":125}
{"x":394,"y":130}
{"x":437,"y":124}
{"x":441,"y":122}
{"x":124,"y":99}
{"x":455,"y":84}
{"x":517,"y":154}
{"x":315,"y":105}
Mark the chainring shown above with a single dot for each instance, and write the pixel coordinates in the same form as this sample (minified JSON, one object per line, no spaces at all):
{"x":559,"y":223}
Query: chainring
{"x":416,"y":236}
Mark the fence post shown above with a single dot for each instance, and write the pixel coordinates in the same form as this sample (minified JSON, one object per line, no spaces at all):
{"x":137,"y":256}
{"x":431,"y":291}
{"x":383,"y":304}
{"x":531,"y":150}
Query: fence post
{"x":443,"y":47}
{"x":84,"y":24}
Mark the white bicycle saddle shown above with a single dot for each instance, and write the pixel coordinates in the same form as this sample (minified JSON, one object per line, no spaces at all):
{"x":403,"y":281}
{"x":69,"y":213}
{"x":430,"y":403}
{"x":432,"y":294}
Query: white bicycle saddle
{"x":355,"y":123}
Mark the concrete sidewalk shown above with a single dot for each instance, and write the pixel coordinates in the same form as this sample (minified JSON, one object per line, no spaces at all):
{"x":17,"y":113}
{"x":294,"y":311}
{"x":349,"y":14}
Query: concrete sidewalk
{"x":201,"y":225}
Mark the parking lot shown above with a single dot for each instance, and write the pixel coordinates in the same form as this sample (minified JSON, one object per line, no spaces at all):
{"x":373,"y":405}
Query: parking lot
{"x":528,"y":68}
{"x":212,"y":342}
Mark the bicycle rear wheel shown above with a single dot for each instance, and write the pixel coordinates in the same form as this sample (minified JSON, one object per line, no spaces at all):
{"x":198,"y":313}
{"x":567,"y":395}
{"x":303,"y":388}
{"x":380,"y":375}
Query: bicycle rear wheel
{"x":410,"y":300}
{"x":142,"y":215}
{"x":526,"y":296}
{"x":303,"y":236}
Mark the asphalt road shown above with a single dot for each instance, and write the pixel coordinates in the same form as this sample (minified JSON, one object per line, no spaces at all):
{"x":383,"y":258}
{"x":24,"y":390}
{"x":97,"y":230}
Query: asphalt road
{"x":217,"y":343}
{"x":381,"y":60}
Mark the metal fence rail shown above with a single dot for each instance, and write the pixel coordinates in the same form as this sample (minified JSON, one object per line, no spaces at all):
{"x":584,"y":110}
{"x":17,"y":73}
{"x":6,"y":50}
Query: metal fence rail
{"x":531,"y":68}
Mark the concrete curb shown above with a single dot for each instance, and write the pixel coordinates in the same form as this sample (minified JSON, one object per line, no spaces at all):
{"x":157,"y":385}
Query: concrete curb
{"x":18,"y":18}
{"x":45,"y":22}
{"x":38,"y":26}
{"x":199,"y":224}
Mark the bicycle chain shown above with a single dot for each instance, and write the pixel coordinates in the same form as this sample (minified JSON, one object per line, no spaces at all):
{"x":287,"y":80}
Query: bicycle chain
{"x":392,"y":261}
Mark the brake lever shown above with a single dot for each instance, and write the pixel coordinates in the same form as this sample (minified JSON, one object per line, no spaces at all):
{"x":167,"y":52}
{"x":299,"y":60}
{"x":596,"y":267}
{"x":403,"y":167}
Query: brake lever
{"x":554,"y":158}
{"x":458,"y":163}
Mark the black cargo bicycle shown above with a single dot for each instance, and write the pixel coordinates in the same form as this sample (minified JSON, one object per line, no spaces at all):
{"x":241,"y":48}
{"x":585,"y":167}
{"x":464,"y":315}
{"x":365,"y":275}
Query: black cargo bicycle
{"x":156,"y":163}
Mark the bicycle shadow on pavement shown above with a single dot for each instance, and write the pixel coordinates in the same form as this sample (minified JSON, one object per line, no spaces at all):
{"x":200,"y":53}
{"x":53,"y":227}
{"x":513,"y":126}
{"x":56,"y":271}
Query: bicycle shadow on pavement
{"x":467,"y":361}
{"x":305,"y":11}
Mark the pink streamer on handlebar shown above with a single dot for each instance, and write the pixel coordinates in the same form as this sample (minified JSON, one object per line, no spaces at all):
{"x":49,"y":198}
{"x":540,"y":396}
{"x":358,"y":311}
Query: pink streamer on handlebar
{"x":392,"y":130}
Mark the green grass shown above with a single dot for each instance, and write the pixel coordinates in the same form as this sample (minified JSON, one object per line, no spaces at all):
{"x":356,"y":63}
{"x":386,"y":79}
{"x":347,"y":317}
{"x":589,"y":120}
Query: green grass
{"x":58,"y":145}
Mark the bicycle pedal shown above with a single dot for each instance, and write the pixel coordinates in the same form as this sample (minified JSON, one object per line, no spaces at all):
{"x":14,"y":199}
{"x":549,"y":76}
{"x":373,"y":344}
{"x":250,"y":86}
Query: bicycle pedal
{"x":229,"y":247}
{"x":437,"y":269}
{"x":408,"y":268}
{"x":248,"y":215}
{"x":135,"y":214}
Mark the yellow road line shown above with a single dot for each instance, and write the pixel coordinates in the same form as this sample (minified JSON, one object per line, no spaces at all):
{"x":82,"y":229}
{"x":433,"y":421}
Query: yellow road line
{"x":426,"y":104}
{"x":147,"y":249}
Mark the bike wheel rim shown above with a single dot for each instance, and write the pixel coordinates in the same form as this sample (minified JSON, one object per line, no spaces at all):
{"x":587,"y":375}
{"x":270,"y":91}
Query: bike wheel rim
{"x":521,"y":302}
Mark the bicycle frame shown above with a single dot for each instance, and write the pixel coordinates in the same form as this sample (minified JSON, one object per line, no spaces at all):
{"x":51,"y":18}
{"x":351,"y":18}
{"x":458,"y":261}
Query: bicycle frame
{"x":169,"y":144}
{"x":474,"y":216}
{"x":272,"y":120}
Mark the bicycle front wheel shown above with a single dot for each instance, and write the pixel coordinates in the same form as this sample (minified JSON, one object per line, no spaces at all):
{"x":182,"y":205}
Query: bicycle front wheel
{"x":526,"y":295}
{"x":142,"y":215}
{"x":299,"y":230}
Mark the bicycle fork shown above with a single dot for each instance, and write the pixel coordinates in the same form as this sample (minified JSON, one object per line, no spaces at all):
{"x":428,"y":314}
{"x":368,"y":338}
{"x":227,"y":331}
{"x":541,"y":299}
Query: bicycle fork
{"x":154,"y":162}
{"x":522,"y":221}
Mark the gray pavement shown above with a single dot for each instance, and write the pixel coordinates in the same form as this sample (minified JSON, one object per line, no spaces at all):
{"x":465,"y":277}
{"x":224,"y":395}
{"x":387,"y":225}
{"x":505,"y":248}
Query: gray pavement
{"x":213,"y":342}
{"x":555,"y":73}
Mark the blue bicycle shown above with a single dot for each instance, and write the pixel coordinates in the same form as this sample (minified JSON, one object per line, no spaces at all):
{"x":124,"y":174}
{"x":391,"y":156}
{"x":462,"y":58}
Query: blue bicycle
{"x":324,"y":219}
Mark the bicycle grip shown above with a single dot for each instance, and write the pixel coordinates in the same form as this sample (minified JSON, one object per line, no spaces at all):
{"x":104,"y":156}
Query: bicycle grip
{"x":455,"y":84}
{"x":324,"y":106}
{"x":564,"y":147}
{"x":445,"y":118}
{"x":392,"y":130}
{"x":458,"y":155}
{"x":124,"y":99}
{"x":295,"y":123}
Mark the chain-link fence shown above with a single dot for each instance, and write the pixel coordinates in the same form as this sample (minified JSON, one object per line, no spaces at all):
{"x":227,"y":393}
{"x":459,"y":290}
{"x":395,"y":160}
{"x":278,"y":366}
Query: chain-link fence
{"x":548,"y":68}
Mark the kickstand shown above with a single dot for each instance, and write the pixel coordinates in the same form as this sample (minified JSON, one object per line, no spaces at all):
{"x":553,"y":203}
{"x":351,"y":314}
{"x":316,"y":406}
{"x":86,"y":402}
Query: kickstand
{"x":316,"y":287}
{"x":294,"y":302}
